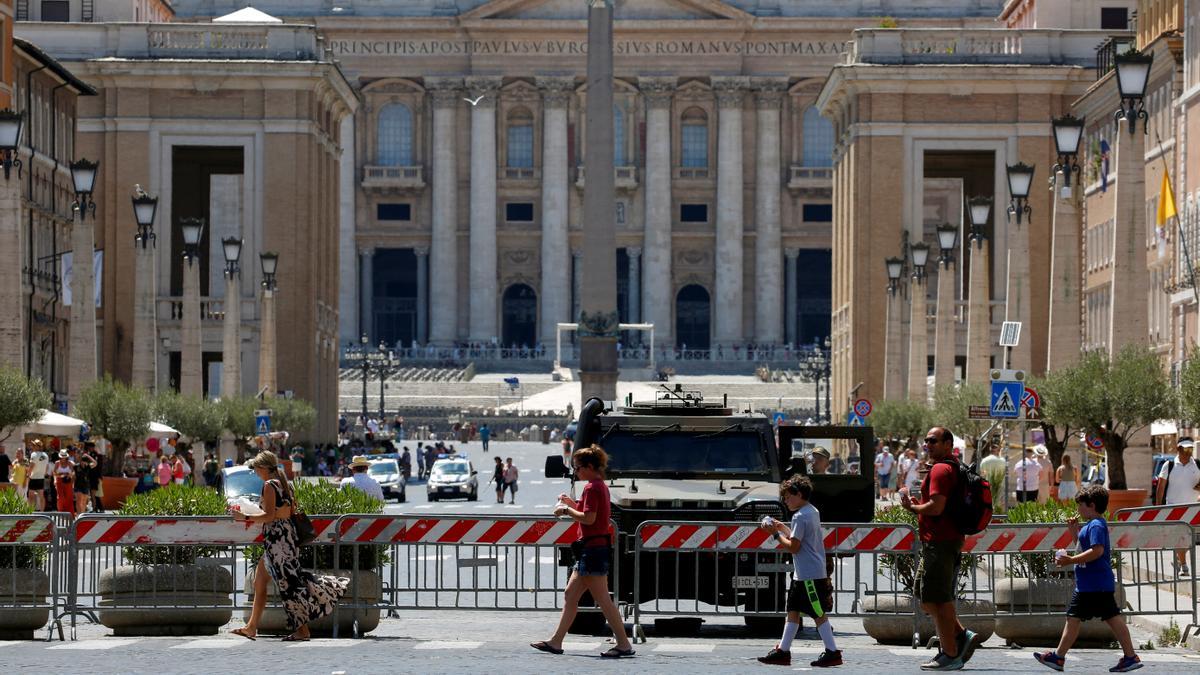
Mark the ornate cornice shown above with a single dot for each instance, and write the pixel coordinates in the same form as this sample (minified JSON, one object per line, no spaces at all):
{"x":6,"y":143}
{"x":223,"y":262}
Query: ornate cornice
{"x":768,"y":92}
{"x":445,"y":91}
{"x":657,"y":91}
{"x":483,"y":88}
{"x":556,"y":91}
{"x":730,"y":91}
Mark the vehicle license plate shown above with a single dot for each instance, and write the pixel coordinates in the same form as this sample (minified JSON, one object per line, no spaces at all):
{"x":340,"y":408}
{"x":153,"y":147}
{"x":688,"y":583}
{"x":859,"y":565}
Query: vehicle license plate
{"x":752,"y":582}
{"x":447,"y":489}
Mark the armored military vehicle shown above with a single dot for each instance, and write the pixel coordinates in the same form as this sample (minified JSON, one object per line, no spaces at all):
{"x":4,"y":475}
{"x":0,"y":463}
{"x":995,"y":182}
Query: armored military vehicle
{"x":682,"y":458}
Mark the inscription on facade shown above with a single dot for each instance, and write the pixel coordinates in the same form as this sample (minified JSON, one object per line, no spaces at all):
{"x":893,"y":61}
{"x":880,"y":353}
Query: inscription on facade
{"x":551,"y":47}
{"x":175,"y":39}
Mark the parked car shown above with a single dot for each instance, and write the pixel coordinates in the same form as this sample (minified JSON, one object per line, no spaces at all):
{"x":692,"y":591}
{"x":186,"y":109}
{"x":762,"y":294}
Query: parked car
{"x":387,"y":473}
{"x":240,"y":481}
{"x":1159,"y":461}
{"x":452,"y":477}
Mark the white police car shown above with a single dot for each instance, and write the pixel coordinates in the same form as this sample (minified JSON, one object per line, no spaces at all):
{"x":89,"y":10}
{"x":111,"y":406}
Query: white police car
{"x":452,"y":477}
{"x":387,"y":473}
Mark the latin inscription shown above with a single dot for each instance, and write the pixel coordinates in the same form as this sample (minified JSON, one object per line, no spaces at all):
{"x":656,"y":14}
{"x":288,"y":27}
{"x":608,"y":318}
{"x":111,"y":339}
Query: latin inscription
{"x":173,"y":39}
{"x":579,"y":47}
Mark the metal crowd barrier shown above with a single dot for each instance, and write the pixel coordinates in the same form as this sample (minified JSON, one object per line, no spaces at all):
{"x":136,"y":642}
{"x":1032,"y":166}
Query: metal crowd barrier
{"x":1183,"y":513}
{"x":29,"y":574}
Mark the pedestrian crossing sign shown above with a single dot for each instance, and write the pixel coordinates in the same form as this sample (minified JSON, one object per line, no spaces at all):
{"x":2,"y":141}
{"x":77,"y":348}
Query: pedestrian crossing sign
{"x":1006,"y":399}
{"x":262,"y":425}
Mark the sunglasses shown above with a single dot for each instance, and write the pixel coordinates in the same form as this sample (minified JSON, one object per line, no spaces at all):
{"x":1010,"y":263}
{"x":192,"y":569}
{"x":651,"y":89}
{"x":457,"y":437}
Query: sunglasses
{"x":932,"y":440}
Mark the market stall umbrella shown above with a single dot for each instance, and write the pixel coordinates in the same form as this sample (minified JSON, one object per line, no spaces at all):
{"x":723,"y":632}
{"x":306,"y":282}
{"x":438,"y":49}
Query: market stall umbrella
{"x":55,"y":424}
{"x":158,"y":428}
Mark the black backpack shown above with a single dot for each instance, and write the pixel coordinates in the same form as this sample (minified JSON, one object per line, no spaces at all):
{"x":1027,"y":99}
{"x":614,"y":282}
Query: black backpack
{"x":971,"y":505}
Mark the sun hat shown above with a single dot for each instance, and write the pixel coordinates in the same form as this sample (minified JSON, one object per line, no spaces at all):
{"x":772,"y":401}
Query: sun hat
{"x":360,"y":460}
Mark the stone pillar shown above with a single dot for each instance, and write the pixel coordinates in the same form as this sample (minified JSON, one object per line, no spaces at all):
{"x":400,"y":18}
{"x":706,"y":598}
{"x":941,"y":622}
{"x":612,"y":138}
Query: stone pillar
{"x":918,"y":340}
{"x":347,"y":229}
{"x":635,"y":283}
{"x":895,"y":370}
{"x":366,"y":294}
{"x":267,"y":360}
{"x":422,"y":293}
{"x":556,"y":94}
{"x":81,"y":363}
{"x":945,"y":325}
{"x":12,"y":262}
{"x":231,"y":350}
{"x":1064,"y":333}
{"x":1129,"y":320}
{"x":483,"y":282}
{"x":1016,"y":300}
{"x":768,"y":326}
{"x":145,"y":329}
{"x":979,"y":321}
{"x":191,"y":356}
{"x":443,"y":249}
{"x":576,"y":277}
{"x":657,"y":293}
{"x":729,"y":254}
{"x":789,"y":305}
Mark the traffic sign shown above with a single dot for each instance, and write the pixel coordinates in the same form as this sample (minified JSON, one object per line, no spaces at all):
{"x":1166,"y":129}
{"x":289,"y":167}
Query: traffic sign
{"x":778,"y":418}
{"x":854,"y":420}
{"x":1010,"y":333}
{"x":862,"y":407}
{"x":1095,"y":442}
{"x":1031,"y":400}
{"x":1006,"y":397}
{"x":979,"y":412}
{"x":262,"y":422}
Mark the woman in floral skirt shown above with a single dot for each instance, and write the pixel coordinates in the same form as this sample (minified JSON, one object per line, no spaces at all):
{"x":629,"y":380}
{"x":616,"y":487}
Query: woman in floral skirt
{"x":306,"y":596}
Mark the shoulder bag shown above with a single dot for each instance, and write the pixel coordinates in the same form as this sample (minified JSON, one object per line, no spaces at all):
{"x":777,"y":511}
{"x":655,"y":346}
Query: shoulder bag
{"x":305,"y":532}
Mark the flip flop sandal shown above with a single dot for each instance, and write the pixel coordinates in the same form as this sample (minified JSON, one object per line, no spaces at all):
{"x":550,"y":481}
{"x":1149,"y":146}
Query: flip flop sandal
{"x":238,"y":631}
{"x":293,"y":638}
{"x":615,"y":653}
{"x":544,"y":646}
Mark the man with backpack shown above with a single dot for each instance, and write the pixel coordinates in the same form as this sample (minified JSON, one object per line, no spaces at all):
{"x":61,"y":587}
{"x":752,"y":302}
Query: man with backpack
{"x":943,"y":493}
{"x":1178,"y":481}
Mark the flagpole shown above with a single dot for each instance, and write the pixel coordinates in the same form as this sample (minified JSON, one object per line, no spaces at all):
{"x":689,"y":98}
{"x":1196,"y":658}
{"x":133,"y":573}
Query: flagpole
{"x":1178,"y":225}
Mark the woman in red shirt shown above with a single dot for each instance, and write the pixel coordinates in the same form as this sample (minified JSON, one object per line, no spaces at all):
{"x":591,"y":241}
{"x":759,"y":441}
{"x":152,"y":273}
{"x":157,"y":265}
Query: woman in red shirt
{"x":595,"y":545}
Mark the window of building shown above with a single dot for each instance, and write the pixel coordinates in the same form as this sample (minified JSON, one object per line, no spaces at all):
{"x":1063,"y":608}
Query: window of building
{"x":56,"y":10}
{"x":1114,"y":18}
{"x":693,"y":151}
{"x":518,"y":212}
{"x":393,"y":211}
{"x":519,"y":152}
{"x":618,"y":136}
{"x":395,"y":136}
{"x":817,"y":139}
{"x":693,"y":213}
{"x":818,"y":213}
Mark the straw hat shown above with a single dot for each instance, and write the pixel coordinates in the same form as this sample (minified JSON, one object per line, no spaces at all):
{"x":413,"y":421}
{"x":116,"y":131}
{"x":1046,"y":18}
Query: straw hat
{"x":360,"y":460}
{"x":1040,"y":450}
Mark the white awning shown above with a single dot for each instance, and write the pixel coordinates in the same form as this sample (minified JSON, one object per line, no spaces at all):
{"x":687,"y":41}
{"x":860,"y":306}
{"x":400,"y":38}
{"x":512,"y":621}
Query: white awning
{"x":247,"y":15}
{"x":157,"y":428}
{"x":1163,"y":428}
{"x":54,"y":424}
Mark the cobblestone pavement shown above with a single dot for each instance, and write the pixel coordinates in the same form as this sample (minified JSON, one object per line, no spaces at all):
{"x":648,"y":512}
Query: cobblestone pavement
{"x":485,"y":642}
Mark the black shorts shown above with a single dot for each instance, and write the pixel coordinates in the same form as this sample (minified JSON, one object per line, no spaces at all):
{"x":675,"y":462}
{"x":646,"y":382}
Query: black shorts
{"x":813,"y":597}
{"x":37,"y":483}
{"x":1092,"y":604}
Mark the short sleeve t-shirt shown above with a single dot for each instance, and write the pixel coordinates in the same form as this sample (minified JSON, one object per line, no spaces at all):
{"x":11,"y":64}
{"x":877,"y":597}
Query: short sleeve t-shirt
{"x":941,"y":480}
{"x":1182,"y":481}
{"x":884,"y":463}
{"x":39,"y":463}
{"x":595,"y":498}
{"x":1096,"y":575}
{"x":809,"y":561}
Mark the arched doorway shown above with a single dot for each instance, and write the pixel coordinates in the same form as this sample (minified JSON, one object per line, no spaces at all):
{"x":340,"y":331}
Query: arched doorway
{"x":693,"y":317}
{"x":520,"y":316}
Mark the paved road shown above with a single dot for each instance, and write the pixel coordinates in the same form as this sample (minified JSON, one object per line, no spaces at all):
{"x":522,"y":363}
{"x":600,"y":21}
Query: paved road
{"x":484,"y":642}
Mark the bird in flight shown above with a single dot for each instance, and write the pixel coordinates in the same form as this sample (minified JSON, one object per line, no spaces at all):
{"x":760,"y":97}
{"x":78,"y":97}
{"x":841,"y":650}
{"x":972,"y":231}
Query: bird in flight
{"x":476,"y":101}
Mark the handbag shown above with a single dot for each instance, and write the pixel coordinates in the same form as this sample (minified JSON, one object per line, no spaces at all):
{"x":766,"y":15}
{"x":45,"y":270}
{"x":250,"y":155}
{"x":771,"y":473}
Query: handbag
{"x":305,"y":532}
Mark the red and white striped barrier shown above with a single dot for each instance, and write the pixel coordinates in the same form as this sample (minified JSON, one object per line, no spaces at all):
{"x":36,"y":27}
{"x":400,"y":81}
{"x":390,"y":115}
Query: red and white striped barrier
{"x":866,"y":538}
{"x":1181,"y":513}
{"x":1048,"y":538}
{"x":455,"y":530}
{"x":199,"y":531}
{"x":17,"y":530}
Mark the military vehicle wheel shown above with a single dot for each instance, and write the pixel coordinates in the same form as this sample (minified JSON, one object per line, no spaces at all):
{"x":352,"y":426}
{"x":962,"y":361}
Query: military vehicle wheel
{"x":764,"y":626}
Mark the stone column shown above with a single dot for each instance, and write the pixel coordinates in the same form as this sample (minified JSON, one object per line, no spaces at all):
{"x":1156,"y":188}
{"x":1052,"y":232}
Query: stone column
{"x":1064,"y":333}
{"x":945,"y":325}
{"x":768,"y":327}
{"x":366,"y":293}
{"x":1016,"y":300}
{"x":789,"y":305}
{"x":894,"y":368}
{"x":12,"y":262}
{"x":729,"y":255}
{"x":635,"y":283}
{"x":267,"y":361}
{"x":979,"y":321}
{"x":191,"y":356}
{"x":556,"y":94}
{"x":422,"y":293}
{"x":918,"y":340}
{"x":1129,"y":320}
{"x":347,"y":228}
{"x":483,"y":282}
{"x":231,"y":349}
{"x":81,"y":363}
{"x":443,"y":249}
{"x":576,"y":277}
{"x":656,"y":239}
{"x":145,"y":330}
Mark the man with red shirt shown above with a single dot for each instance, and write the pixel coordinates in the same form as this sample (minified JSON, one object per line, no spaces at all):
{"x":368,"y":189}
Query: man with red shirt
{"x":941,"y":547}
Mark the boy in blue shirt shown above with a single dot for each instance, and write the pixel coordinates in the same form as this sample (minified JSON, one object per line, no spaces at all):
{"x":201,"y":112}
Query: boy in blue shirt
{"x":1094,"y":584}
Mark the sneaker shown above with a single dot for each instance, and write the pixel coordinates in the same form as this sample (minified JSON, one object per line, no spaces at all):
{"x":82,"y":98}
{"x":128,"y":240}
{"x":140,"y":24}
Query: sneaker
{"x":934,"y":661}
{"x":943,"y":662}
{"x":777,"y":657}
{"x":827,"y":659}
{"x":1051,"y":660}
{"x":967,"y":642}
{"x":1183,"y":570}
{"x":1126,"y":664}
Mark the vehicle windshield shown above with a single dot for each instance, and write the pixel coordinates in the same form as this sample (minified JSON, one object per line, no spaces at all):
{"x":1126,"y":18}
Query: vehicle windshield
{"x":736,"y":453}
{"x":243,"y":483}
{"x":454,"y":469}
{"x":383,"y":468}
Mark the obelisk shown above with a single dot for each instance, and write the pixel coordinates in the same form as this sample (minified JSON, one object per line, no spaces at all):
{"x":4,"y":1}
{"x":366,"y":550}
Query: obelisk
{"x":598,"y":309}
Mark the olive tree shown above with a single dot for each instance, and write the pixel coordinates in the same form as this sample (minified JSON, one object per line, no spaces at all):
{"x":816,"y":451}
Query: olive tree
{"x":1189,"y":389}
{"x":193,"y":416}
{"x":22,"y":401}
{"x":1056,"y":430}
{"x":902,"y":420}
{"x":291,"y":414}
{"x":117,"y":413}
{"x":952,"y":407}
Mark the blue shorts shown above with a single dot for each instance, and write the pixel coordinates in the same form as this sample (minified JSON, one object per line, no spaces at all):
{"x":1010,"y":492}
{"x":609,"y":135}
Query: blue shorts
{"x":885,"y":479}
{"x":593,"y":561}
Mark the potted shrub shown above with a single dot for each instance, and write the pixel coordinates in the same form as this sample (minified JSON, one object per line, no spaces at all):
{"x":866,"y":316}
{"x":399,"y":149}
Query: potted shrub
{"x":1032,"y":593}
{"x":889,"y":615}
{"x":366,"y":584}
{"x":23,"y":579}
{"x":170,"y":576}
{"x":121,"y":415}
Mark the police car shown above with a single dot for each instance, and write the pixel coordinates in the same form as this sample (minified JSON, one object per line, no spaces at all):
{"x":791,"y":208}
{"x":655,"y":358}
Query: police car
{"x":452,"y":476}
{"x":386,"y":472}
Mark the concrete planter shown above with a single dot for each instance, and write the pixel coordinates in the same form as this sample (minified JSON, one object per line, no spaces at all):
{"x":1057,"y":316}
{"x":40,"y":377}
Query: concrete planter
{"x":888,"y":619}
{"x":163,"y":592}
{"x":1040,"y":607}
{"x":23,"y":587}
{"x":370,"y":590}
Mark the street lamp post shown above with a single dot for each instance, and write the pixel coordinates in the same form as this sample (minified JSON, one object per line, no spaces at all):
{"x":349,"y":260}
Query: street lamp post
{"x":145,"y":329}
{"x":366,"y":366}
{"x":14,"y":337}
{"x":82,"y":358}
{"x":944,"y":339}
{"x":231,"y":353}
{"x":10,"y":139}
{"x":267,"y":355}
{"x":979,"y":322}
{"x":191,"y":357}
{"x":384,"y":360}
{"x":1068,"y":131}
{"x":1133,"y":73}
{"x":1063,"y":338}
{"x":815,"y":364}
{"x":1016,"y":295}
{"x":893,"y":354}
{"x":918,"y":326}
